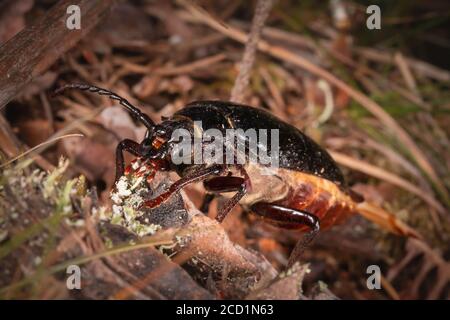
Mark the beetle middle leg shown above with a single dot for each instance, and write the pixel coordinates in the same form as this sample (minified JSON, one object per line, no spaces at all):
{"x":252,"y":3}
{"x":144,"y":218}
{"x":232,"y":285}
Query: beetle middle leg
{"x":124,"y":145}
{"x":290,"y":218}
{"x":227,"y":184}
{"x":204,"y":207}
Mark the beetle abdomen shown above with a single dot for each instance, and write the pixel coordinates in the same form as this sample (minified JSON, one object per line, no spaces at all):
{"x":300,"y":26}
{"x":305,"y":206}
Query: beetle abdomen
{"x":320,"y":197}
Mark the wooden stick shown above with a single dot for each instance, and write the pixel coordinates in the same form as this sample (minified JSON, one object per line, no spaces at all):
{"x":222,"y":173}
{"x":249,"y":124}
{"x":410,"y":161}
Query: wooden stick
{"x":37,"y":47}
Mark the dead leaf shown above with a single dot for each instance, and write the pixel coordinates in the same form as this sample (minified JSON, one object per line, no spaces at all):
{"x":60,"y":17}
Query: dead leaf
{"x":95,"y":160}
{"x":118,"y":120}
{"x":287,"y":286}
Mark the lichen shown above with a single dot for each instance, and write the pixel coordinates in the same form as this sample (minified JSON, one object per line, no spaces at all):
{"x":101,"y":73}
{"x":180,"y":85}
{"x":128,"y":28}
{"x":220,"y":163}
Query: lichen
{"x":51,"y":181}
{"x":127,"y":196}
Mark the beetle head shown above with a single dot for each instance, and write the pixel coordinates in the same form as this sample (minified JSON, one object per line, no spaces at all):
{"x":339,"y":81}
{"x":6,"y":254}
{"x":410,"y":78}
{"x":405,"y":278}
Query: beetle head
{"x":158,"y":143}
{"x":155,"y":145}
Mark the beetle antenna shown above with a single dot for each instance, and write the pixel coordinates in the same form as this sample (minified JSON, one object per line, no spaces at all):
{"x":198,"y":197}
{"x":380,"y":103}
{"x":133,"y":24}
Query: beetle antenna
{"x":138,"y":114}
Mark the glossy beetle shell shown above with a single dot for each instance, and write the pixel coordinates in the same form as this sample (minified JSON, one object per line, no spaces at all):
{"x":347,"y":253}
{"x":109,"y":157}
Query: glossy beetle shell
{"x":311,"y":179}
{"x":297,"y":151}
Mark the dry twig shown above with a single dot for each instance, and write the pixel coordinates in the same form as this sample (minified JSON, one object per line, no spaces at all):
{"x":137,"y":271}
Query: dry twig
{"x":262,"y":11}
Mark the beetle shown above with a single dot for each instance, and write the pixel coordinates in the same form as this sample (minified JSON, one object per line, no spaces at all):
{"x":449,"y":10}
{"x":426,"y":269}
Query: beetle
{"x":306,"y":191}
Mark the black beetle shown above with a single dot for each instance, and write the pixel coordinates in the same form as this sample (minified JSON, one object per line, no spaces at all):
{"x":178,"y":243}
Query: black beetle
{"x":305,"y":191}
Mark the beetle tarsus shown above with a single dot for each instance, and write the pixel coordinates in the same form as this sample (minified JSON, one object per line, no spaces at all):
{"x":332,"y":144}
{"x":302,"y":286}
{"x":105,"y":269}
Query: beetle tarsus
{"x":302,"y":244}
{"x":230,"y":204}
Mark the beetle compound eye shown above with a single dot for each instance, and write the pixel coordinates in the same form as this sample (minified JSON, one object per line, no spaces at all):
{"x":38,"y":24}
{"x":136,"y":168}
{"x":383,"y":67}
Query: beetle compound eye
{"x":147,"y":143}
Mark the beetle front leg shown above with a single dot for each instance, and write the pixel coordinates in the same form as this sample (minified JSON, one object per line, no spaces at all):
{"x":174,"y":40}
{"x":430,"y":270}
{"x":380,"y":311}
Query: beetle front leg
{"x":195,"y":176}
{"x":124,"y":145}
{"x":292,"y":218}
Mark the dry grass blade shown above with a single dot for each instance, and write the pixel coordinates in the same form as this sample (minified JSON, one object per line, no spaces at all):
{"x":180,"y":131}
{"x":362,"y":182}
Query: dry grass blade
{"x":379,"y":173}
{"x":420,"y":67}
{"x":405,"y":70}
{"x":190,"y":67}
{"x":366,"y":102}
{"x":171,"y":70}
{"x":9,"y":144}
{"x":39,"y":147}
{"x":387,"y":286}
{"x":85,"y":259}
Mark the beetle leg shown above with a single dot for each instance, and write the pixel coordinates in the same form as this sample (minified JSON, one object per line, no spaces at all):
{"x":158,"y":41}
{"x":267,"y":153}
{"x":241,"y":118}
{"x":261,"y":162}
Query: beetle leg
{"x":209,"y":197}
{"x":227,"y":184}
{"x":302,"y":244}
{"x":124,"y":145}
{"x":291,"y":217}
{"x":195,"y":176}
